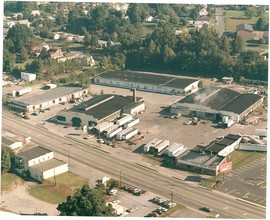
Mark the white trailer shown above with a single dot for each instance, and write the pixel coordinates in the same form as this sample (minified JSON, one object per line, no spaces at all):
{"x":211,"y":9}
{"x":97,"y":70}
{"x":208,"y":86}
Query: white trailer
{"x":152,"y":143}
{"x":130,"y":134}
{"x":174,"y":149}
{"x":119,"y":136}
{"x":229,"y":123}
{"x":110,"y":129}
{"x":261,"y":132}
{"x":114,"y":132}
{"x":23,"y":91}
{"x":161,"y":146}
{"x":124,"y":120}
{"x":103,"y":126}
{"x":132,"y":123}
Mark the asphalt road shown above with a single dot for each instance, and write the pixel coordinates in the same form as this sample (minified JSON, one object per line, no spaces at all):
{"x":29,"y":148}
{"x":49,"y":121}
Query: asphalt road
{"x":151,"y":180}
{"x":220,"y":21}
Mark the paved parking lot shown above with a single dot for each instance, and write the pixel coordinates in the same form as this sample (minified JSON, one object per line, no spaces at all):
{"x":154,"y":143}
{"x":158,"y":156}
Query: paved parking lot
{"x":245,"y":182}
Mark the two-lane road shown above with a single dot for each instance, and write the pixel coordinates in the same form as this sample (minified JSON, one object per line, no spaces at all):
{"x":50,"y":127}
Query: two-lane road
{"x":151,"y":180}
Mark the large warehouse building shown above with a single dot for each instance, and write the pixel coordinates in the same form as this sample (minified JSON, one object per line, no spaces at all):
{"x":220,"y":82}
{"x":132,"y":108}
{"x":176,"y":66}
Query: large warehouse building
{"x":102,"y":108}
{"x":150,"y":82}
{"x":213,"y":103}
{"x":46,"y":98}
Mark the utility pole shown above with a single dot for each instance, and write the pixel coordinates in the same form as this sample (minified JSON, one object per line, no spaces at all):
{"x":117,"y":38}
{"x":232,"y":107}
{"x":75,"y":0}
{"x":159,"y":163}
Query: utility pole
{"x":201,"y":173}
{"x":172,"y":194}
{"x":120,"y":182}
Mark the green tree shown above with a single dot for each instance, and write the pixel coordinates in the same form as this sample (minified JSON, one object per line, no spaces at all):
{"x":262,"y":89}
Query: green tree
{"x":8,"y":60}
{"x":6,"y":158}
{"x":238,"y":45}
{"x":85,"y":202}
{"x":249,"y":12}
{"x":137,"y":12}
{"x":84,"y":80}
{"x":34,"y":66}
{"x":262,"y":24}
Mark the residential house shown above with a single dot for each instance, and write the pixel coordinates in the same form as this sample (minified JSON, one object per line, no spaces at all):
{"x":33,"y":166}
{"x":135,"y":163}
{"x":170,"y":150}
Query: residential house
{"x":35,"y":13}
{"x":258,"y":35}
{"x":15,"y":15}
{"x":245,"y":31}
{"x":102,"y":43}
{"x":55,"y":53}
{"x":39,"y":163}
{"x":55,"y":36}
{"x":201,"y":21}
{"x":11,"y":143}
{"x":28,"y":77}
{"x":203,"y":12}
{"x":10,"y":24}
{"x":150,"y":19}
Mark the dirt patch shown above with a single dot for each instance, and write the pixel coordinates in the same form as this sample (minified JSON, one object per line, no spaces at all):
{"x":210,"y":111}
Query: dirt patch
{"x":20,"y":202}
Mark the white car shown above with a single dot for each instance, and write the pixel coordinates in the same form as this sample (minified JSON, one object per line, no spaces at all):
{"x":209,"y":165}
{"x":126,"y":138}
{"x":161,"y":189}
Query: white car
{"x":113,"y":191}
{"x":101,"y":141}
{"x":115,"y":202}
{"x":132,"y":209}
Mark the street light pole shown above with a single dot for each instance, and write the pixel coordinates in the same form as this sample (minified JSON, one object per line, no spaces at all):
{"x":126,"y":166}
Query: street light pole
{"x":172,"y":194}
{"x":120,"y":179}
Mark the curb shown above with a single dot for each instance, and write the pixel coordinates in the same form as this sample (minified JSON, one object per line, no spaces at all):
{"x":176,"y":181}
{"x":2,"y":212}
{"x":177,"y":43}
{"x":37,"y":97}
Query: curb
{"x":147,"y":167}
{"x":177,"y":178}
{"x":251,"y":203}
{"x":203,"y":187}
{"x":82,"y":142}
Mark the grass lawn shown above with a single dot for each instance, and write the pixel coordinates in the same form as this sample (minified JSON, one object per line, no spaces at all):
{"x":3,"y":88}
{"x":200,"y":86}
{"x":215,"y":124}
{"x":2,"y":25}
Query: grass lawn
{"x":66,"y":183}
{"x":234,"y":17}
{"x":9,"y":181}
{"x":238,"y":158}
{"x":22,"y":65}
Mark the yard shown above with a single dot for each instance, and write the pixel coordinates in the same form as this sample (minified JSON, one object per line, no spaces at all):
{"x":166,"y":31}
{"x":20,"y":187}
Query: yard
{"x":56,"y":190}
{"x":9,"y":181}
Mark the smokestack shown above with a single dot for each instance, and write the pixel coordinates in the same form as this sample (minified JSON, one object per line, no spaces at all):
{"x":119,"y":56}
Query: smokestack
{"x":134,"y":95}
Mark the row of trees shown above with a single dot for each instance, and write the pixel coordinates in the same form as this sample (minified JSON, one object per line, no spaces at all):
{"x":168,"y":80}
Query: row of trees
{"x":197,"y":52}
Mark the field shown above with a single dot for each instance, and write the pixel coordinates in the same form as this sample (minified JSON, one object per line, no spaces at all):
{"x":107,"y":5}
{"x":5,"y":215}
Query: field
{"x":56,"y":191}
{"x":234,"y":17}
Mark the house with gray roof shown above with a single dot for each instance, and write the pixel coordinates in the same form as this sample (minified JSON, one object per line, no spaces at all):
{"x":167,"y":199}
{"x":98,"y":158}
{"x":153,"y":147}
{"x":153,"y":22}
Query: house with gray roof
{"x":245,"y":31}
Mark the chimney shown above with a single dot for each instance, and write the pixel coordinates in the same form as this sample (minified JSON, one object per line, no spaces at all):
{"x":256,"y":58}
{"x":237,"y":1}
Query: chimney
{"x":134,"y":95}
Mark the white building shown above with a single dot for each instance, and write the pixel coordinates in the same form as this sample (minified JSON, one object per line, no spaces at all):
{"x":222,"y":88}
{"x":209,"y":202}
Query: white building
{"x":40,"y":163}
{"x":150,"y":82}
{"x":11,"y":143}
{"x":47,"y":99}
{"x":28,"y":77}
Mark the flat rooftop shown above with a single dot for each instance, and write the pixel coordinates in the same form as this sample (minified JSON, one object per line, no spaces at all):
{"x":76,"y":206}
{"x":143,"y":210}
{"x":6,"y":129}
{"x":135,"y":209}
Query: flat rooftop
{"x":148,"y":78}
{"x":48,"y":164}
{"x":33,"y":153}
{"x":222,"y":99}
{"x":201,"y":159}
{"x":47,"y":95}
{"x":101,"y":106}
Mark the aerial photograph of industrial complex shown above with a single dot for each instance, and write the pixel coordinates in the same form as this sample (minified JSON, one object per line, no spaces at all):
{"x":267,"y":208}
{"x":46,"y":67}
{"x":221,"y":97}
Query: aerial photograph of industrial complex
{"x":120,"y":109}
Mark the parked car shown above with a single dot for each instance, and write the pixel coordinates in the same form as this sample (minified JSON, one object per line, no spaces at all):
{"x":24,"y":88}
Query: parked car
{"x":100,"y":140}
{"x":206,"y":209}
{"x":115,"y":202}
{"x":169,"y":204}
{"x":132,"y":209}
{"x":113,"y":191}
{"x":35,"y":114}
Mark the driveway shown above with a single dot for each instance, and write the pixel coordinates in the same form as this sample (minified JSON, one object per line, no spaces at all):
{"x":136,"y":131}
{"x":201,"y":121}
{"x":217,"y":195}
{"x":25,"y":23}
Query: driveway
{"x":220,"y":21}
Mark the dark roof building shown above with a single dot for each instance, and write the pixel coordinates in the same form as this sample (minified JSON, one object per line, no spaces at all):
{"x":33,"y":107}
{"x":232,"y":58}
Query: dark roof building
{"x":33,"y":153}
{"x":102,"y":108}
{"x":245,"y":27}
{"x":151,"y":82}
{"x":214,"y":103}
